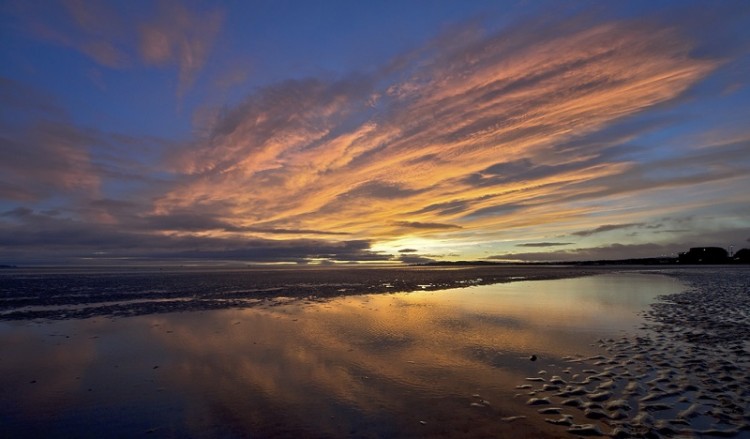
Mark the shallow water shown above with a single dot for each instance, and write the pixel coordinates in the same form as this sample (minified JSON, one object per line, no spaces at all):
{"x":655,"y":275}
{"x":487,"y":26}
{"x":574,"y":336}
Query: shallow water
{"x":403,"y":364}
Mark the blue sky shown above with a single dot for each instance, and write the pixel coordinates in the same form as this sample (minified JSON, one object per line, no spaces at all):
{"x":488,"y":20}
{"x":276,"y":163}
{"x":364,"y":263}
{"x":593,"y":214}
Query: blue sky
{"x":335,"y":132}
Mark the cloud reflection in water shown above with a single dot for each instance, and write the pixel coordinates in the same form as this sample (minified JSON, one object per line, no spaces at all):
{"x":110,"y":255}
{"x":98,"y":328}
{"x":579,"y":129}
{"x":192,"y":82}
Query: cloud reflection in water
{"x":364,"y":365}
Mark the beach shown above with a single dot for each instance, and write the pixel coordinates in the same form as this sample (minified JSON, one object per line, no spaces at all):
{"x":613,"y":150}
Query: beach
{"x":686,"y":375}
{"x":413,"y":352}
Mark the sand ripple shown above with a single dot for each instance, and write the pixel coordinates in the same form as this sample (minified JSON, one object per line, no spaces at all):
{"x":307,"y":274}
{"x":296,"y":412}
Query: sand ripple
{"x":686,"y":375}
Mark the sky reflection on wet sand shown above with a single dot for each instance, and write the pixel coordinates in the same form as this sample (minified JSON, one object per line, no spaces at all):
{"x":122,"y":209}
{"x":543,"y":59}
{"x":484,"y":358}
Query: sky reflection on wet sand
{"x":366,"y":365}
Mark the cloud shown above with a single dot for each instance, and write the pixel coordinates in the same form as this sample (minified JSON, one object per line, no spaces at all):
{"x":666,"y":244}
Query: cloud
{"x":543,"y":244}
{"x":92,"y":28}
{"x":33,"y":236}
{"x":383,"y":190}
{"x":606,"y":228}
{"x":117,"y":37}
{"x":502,"y":209}
{"x":610,"y":251}
{"x":177,"y":35}
{"x":463,"y":137}
{"x":48,"y":158}
{"x":448,"y":208}
{"x":699,"y":236}
{"x":478,"y":138}
{"x":18,"y":212}
{"x":432,"y":226}
{"x":408,"y":250}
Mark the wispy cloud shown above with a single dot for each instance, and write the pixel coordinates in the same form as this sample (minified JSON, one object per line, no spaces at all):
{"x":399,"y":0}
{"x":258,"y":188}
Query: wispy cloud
{"x":521,"y":136}
{"x":470,"y":138}
{"x":429,"y":226}
{"x":543,"y":244}
{"x":606,"y":228}
{"x":177,"y":35}
{"x":610,"y":251}
{"x":23,"y":232}
{"x":169,"y":34}
{"x":93,"y":28}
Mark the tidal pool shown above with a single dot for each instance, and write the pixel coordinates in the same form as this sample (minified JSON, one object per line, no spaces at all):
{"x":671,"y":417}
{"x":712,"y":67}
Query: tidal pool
{"x":425,"y":363}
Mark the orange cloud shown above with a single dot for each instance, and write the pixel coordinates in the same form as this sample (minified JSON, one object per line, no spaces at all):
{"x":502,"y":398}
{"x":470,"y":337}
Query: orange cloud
{"x":325,"y":156}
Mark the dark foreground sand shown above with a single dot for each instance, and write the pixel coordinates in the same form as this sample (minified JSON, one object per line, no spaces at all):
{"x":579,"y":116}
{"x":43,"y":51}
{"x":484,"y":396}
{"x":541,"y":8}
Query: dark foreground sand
{"x":686,"y":375}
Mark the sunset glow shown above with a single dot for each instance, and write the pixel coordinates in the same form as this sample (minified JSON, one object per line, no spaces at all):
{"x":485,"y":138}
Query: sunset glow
{"x":341,"y":132}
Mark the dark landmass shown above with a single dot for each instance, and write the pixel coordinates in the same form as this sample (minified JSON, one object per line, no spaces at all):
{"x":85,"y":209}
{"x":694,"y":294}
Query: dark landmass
{"x":695,"y":256}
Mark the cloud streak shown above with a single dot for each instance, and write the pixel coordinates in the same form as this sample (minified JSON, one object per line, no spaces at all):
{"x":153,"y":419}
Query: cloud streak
{"x":533,"y":136}
{"x":167,"y":34}
{"x":177,"y":35}
{"x":468,"y":138}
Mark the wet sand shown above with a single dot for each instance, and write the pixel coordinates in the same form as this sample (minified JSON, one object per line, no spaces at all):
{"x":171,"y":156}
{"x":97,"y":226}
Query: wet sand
{"x":27,"y":294}
{"x":686,"y":374}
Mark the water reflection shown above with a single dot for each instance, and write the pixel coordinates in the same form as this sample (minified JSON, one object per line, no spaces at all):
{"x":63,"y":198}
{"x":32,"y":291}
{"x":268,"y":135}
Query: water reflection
{"x":371,"y":366}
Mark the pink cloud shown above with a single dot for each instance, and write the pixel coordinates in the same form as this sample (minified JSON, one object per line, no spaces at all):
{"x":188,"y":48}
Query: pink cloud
{"x":182,"y":37}
{"x":291,"y":154}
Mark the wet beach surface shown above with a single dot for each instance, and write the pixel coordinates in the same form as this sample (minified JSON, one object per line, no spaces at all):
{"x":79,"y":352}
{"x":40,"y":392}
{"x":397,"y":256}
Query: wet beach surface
{"x":429,"y":363}
{"x":82,"y":293}
{"x":687,"y":374}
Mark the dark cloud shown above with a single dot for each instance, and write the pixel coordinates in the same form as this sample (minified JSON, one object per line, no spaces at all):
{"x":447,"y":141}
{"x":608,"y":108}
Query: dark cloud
{"x":502,"y":209}
{"x":18,"y":212}
{"x":543,"y":244}
{"x":612,"y":251}
{"x":687,"y":168}
{"x":408,"y":250}
{"x":421,"y":225}
{"x":184,"y":222}
{"x":28,"y":236}
{"x":518,"y":171}
{"x":606,"y":228}
{"x":380,"y":190}
{"x":279,"y":231}
{"x":285,"y":251}
{"x":415,"y":259}
{"x":448,"y":208}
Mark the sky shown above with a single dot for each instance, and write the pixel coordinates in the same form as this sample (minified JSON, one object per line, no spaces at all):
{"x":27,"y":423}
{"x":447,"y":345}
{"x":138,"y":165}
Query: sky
{"x":326,"y":132}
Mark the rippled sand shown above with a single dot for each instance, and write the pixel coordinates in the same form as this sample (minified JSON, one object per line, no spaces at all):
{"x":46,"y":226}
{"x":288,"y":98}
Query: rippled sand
{"x":686,"y":375}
